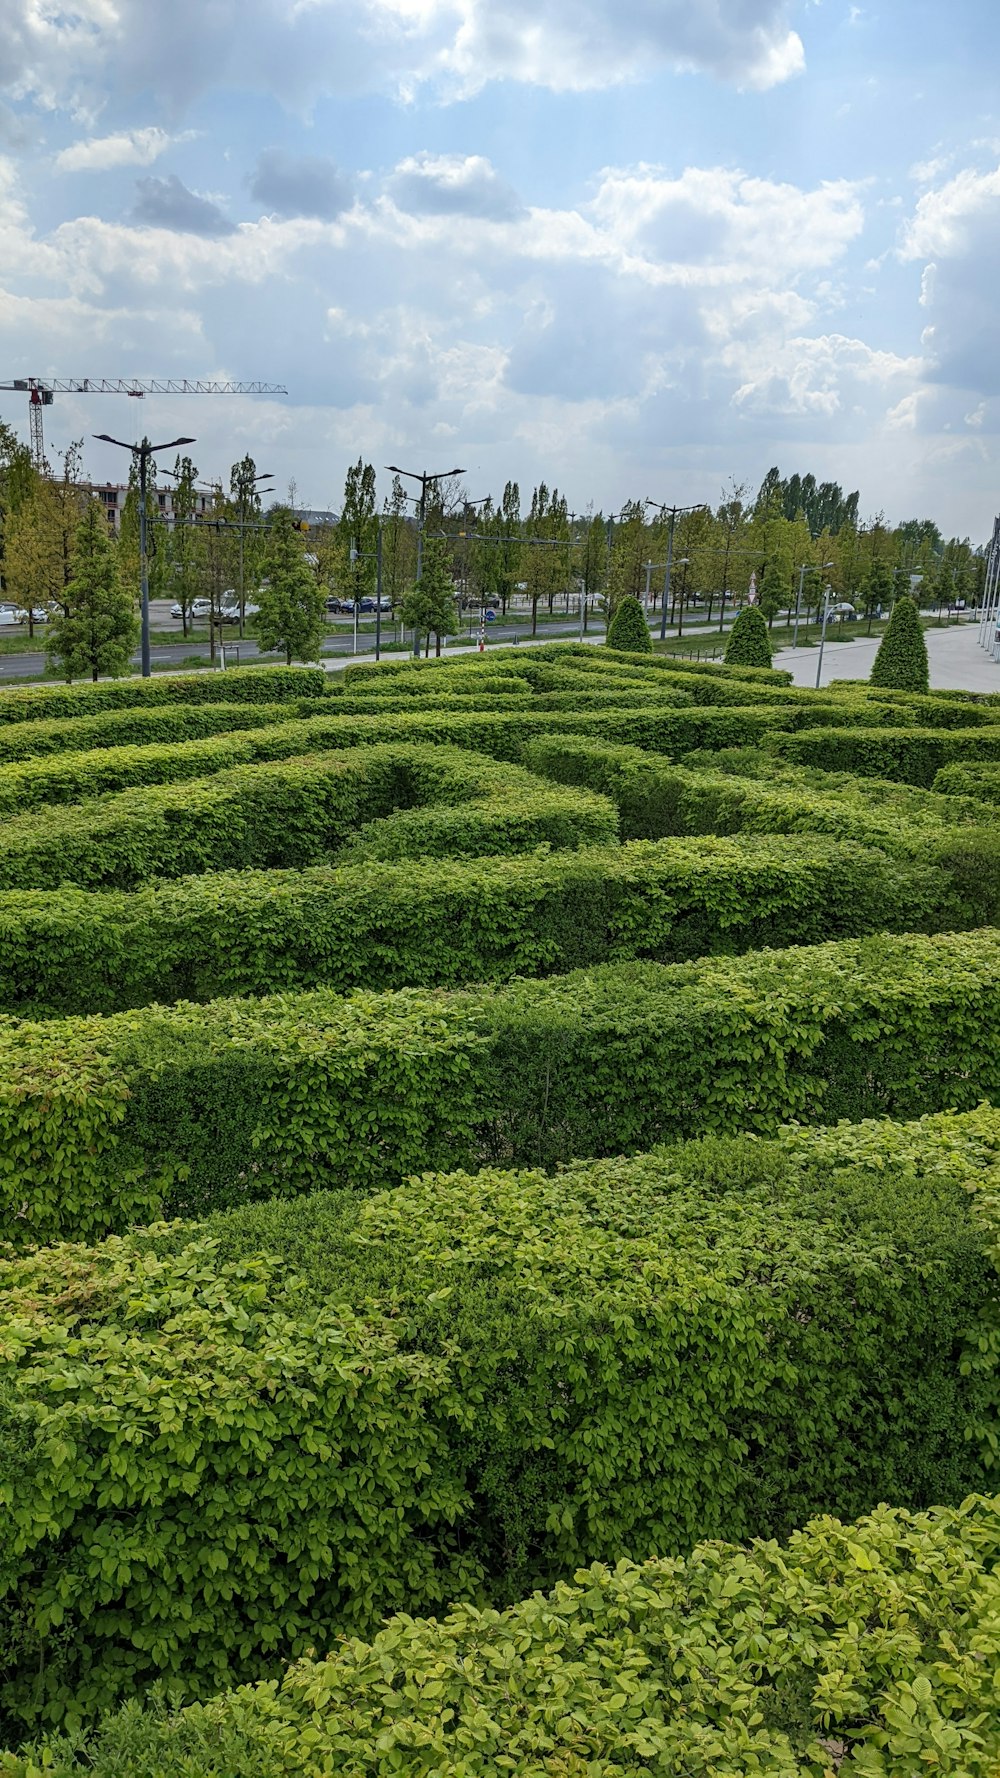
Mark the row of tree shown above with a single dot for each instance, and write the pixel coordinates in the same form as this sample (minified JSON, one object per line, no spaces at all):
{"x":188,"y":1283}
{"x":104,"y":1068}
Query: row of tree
{"x":791,"y":539}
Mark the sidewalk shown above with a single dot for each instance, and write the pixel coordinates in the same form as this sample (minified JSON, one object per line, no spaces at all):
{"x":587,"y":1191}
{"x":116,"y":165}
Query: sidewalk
{"x":957,"y":662}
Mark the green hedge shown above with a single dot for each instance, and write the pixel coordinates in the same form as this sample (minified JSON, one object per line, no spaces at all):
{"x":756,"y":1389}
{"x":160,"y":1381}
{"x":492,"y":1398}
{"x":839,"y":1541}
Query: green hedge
{"x":247,"y":685}
{"x":914,"y":755}
{"x":445,"y":921}
{"x":502,"y":733}
{"x":380,"y":801}
{"x":981,"y":781}
{"x":950,"y":834}
{"x":224,"y":1446}
{"x":175,"y":1109}
{"x":650,"y":1669}
{"x":173,"y":724}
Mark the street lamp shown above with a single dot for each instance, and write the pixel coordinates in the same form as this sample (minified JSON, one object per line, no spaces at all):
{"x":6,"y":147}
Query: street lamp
{"x":674,"y":512}
{"x":425,"y":479}
{"x":804,"y":569}
{"x":143,"y":451}
{"x":822,"y":638}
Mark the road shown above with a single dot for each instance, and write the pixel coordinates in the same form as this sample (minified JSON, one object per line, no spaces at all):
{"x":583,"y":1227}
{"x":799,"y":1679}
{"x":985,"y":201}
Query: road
{"x":29,"y":666}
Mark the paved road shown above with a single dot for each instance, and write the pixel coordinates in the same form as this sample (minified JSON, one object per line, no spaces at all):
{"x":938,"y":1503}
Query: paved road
{"x":28,"y":666}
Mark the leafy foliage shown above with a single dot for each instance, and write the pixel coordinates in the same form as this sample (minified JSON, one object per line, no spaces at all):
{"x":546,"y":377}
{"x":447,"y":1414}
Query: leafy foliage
{"x":628,"y":628}
{"x":97,"y":628}
{"x":104,"y":1121}
{"x":901,"y":661}
{"x":749,"y":644}
{"x":468,"y":1387}
{"x":291,"y":601}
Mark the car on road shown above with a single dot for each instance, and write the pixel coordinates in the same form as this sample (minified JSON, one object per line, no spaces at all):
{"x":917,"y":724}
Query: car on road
{"x":843,"y":613}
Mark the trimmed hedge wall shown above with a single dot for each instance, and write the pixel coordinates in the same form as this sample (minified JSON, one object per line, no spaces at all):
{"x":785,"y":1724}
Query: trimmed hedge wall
{"x":247,"y":685}
{"x":444,"y":922}
{"x":950,"y":834}
{"x":982,"y":781}
{"x":178,"y":1109}
{"x":651,"y":1669}
{"x":297,"y":812}
{"x":173,"y":724}
{"x":226,"y":1446}
{"x":914,"y":755}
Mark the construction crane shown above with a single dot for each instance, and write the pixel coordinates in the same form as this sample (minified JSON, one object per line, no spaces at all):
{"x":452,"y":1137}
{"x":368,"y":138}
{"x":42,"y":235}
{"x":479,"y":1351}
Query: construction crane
{"x":40,"y":392}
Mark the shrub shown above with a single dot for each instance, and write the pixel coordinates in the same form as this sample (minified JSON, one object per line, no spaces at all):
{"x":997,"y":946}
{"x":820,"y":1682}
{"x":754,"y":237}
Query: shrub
{"x":981,"y":781}
{"x":628,"y":628}
{"x":227,"y":1445}
{"x":174,"y":1109}
{"x":444,"y":921}
{"x":172,"y":724}
{"x":247,"y":685}
{"x":901,"y":661}
{"x":753,"y":793}
{"x":749,"y":644}
{"x":914,"y":755}
{"x":298,"y":812}
{"x":477,"y":1692}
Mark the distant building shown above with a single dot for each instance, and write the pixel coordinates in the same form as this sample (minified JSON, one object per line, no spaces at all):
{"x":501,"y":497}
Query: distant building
{"x":314,"y":518}
{"x":159,"y":502}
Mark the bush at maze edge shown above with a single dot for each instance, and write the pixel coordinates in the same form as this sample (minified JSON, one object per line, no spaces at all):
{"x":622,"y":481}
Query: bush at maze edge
{"x":628,"y":629}
{"x":749,"y":644}
{"x":227,"y":1444}
{"x":901,"y":661}
{"x":636,"y":1669}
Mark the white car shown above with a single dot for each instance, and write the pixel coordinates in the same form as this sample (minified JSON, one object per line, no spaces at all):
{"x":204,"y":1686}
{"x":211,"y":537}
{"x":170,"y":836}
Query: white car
{"x":9,"y":616}
{"x":198,"y":608}
{"x":39,"y":615}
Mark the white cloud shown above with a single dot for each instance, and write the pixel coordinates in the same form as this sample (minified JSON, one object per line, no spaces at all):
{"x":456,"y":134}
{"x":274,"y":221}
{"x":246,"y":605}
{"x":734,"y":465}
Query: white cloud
{"x":945,"y":220}
{"x":127,"y":148}
{"x":75,"y":58}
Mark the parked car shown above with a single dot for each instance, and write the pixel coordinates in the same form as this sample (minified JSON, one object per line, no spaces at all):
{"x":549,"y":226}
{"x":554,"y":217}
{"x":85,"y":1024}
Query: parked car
{"x":198,"y":608}
{"x":39,"y":615}
{"x":344,"y":607}
{"x":9,"y":615}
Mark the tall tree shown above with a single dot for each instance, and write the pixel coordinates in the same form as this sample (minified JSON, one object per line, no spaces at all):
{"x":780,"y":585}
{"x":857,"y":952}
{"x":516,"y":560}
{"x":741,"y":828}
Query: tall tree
{"x":901,"y":661}
{"x":399,"y":548}
{"x":98,"y":629}
{"x":357,"y":531}
{"x":629,"y":548}
{"x":291,"y":599}
{"x":245,"y":512}
{"x":184,"y":546}
{"x":429,"y":605}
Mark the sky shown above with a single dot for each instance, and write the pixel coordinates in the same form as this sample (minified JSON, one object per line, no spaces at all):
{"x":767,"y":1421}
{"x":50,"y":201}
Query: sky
{"x":633,"y":248}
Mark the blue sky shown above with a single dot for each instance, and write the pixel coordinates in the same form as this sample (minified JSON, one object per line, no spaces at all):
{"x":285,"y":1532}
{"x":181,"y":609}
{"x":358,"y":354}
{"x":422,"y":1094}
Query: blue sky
{"x":630,"y":247}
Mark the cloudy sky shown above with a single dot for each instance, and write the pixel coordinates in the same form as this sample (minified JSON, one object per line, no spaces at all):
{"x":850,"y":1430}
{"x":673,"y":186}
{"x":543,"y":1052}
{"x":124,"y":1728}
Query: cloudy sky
{"x":632,"y":247}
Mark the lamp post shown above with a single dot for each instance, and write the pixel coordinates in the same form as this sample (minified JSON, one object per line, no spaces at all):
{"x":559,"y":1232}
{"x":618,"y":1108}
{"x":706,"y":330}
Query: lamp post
{"x":425,"y":479}
{"x":674,"y":513}
{"x":822,"y":639}
{"x":804,"y":569}
{"x":358,"y":555}
{"x":143,"y":452}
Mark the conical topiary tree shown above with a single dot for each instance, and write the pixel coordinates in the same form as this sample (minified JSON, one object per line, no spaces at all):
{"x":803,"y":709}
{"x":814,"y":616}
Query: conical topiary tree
{"x":749,"y":644}
{"x":901,"y":662}
{"x":628,"y":628}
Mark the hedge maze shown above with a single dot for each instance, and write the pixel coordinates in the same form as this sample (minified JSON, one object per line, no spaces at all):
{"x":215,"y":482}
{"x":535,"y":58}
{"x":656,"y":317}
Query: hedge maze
{"x":501,"y":1210}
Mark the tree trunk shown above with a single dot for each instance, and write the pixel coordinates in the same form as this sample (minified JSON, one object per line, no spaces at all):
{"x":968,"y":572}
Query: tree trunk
{"x":534,"y":614}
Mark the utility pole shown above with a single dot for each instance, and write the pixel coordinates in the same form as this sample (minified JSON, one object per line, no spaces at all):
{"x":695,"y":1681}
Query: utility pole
{"x":674,"y":513}
{"x":143,"y":452}
{"x":804,"y":569}
{"x":425,"y":479}
{"x":822,"y":639}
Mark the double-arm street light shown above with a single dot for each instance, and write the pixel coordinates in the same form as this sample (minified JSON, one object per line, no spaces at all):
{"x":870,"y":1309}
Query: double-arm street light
{"x":674,"y":513}
{"x":426,"y":479}
{"x":143,"y":452}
